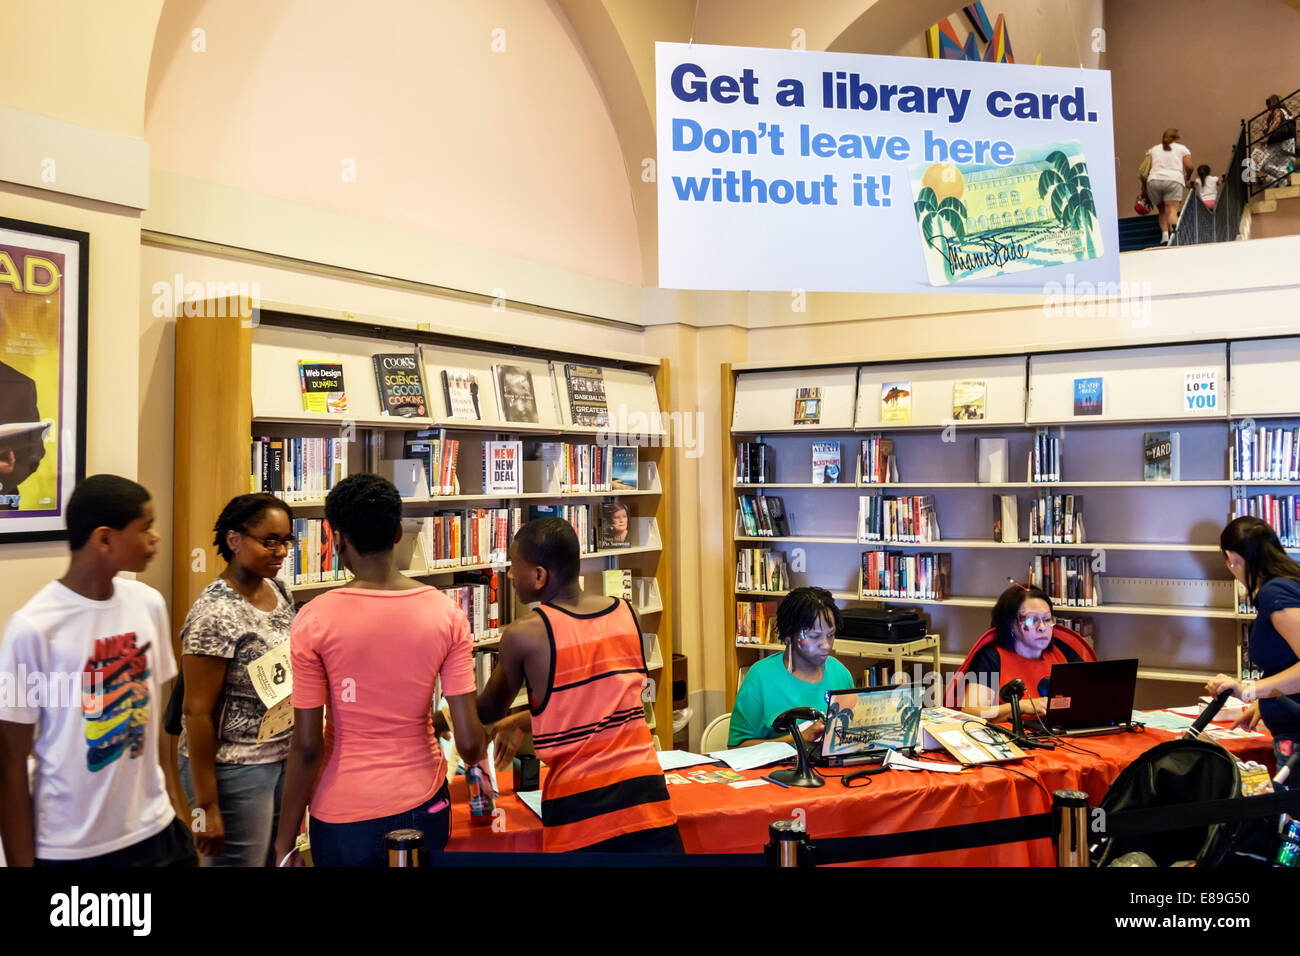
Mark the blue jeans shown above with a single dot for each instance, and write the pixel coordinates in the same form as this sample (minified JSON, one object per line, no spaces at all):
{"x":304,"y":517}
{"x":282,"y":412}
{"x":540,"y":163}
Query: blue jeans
{"x":249,"y":797}
{"x":1284,"y":745}
{"x":362,"y":843}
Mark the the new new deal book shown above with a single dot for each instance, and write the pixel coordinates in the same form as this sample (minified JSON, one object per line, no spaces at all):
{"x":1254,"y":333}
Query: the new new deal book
{"x":826,"y":463}
{"x":501,"y":467}
{"x":1088,"y":396}
{"x":401,"y":386}
{"x":587,"y":404}
{"x":460,"y":389}
{"x":808,"y":405}
{"x":968,"y":398}
{"x":322,"y":387}
{"x":624,"y":468}
{"x":1160,"y":456}
{"x":615,"y":526}
{"x":515,"y":393}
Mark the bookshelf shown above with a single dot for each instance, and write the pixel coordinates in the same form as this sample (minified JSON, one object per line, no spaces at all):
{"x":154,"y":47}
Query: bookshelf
{"x":234,"y":382}
{"x":1156,"y":540}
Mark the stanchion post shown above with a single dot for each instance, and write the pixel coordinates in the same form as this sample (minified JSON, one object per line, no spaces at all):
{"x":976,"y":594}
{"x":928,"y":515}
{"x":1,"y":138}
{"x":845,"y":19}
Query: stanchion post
{"x":1070,"y":827}
{"x":788,"y":845}
{"x":405,"y":847}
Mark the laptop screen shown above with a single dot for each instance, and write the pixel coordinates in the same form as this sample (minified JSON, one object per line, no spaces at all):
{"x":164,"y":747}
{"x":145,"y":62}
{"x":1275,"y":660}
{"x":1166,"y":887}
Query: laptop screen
{"x":865,"y":719}
{"x":1091,"y":694}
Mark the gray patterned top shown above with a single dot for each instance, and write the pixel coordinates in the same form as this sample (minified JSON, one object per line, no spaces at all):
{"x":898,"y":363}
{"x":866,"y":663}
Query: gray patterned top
{"x":223,"y":624}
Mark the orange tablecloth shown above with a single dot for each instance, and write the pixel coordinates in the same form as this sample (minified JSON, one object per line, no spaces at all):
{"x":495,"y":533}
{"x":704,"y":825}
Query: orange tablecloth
{"x":716,"y":818}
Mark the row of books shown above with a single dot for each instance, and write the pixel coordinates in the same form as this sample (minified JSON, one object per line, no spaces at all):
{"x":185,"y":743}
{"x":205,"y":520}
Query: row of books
{"x":897,"y":574}
{"x":1056,"y":519}
{"x":1068,"y":579}
{"x":1045,"y":459}
{"x":298,"y":469}
{"x":399,"y":379}
{"x":753,"y":464}
{"x":877,"y":463}
{"x":1282,"y":512}
{"x":909,"y":519}
{"x":581,"y":517}
{"x":764,"y":516}
{"x":1249,"y":669}
{"x":584,"y":469}
{"x":1244,"y":604}
{"x":451,"y":539}
{"x":477,"y":595}
{"x":756,"y":622}
{"x":313,"y":559}
{"x":760,"y":569}
{"x":1082,"y":626}
{"x":1264,"y":453}
{"x":437,"y":453}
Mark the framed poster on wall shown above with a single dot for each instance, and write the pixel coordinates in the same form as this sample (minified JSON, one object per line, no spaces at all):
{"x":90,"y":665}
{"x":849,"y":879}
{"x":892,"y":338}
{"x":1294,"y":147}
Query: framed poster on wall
{"x":43,"y":293}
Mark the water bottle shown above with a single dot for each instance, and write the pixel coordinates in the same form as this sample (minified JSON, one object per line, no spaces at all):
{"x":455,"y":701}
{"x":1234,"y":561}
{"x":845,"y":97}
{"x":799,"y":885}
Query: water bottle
{"x":1288,"y":853}
{"x":481,"y":803}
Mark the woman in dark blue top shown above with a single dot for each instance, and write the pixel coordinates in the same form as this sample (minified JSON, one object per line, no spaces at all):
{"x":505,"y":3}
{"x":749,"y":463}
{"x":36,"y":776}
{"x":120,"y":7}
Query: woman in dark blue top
{"x":1257,"y":559}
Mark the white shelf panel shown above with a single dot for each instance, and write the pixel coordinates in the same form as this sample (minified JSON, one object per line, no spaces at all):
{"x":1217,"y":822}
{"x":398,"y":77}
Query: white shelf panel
{"x":1264,"y":374}
{"x":932,"y":392}
{"x":630,"y":397}
{"x":491,"y":416}
{"x":764,"y":401}
{"x":1140,"y":384}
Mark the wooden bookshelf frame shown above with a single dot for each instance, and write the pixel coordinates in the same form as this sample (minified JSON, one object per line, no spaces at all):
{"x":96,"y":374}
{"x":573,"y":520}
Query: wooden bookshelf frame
{"x":214,"y":423}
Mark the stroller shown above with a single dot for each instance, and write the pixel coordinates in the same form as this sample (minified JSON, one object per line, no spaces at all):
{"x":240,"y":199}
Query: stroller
{"x":1171,"y":774}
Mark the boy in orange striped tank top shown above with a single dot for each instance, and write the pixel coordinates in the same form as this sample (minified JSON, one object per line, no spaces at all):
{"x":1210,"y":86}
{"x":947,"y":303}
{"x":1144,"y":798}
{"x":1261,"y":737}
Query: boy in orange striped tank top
{"x":582,"y":658}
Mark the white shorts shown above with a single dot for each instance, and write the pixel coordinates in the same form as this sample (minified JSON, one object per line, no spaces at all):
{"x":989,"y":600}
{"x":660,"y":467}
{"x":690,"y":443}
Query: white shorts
{"x":1164,"y":190}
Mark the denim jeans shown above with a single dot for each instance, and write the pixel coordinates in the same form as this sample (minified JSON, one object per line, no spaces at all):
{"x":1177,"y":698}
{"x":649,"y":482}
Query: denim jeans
{"x":1284,"y":745}
{"x":249,"y":797}
{"x":362,"y":843}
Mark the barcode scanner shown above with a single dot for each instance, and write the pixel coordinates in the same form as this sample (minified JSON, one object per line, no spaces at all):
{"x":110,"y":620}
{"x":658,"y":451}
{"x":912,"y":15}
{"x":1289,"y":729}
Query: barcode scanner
{"x":787,"y":722}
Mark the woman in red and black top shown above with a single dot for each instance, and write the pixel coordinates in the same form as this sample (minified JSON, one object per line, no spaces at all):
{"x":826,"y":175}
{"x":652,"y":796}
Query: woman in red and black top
{"x":1022,"y":642}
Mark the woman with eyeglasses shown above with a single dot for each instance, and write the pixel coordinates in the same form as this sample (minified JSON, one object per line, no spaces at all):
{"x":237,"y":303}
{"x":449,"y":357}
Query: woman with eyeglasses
{"x":233,"y":780}
{"x":806,"y":622}
{"x":1022,"y":642}
{"x":1271,"y":577}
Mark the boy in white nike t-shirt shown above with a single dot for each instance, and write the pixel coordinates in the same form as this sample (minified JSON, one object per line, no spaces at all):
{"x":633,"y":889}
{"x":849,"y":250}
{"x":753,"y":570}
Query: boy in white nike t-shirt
{"x":88,"y":666}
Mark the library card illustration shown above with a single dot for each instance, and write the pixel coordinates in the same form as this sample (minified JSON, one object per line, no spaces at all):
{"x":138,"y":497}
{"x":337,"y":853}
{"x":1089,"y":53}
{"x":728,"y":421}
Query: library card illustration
{"x":976,"y":222}
{"x":872,"y":719}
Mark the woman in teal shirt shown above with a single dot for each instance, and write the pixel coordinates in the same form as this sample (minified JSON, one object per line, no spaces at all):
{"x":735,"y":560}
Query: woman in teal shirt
{"x":806,"y":622}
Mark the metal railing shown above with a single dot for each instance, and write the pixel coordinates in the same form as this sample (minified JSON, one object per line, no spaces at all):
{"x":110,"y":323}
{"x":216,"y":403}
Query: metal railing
{"x":1267,"y":167}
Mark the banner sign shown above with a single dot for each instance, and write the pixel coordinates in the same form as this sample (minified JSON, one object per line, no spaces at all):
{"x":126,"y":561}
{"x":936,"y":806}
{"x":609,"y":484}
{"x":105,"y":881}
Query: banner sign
{"x":839,"y":172}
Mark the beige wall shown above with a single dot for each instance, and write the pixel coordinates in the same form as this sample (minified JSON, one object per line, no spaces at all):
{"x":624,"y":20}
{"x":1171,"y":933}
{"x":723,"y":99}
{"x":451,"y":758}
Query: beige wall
{"x":1218,"y":63}
{"x":508,"y":149}
{"x":84,"y":64}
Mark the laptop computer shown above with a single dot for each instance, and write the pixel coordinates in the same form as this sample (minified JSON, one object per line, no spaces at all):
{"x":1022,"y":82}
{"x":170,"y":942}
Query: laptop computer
{"x":864,"y":723}
{"x":1087,"y":698}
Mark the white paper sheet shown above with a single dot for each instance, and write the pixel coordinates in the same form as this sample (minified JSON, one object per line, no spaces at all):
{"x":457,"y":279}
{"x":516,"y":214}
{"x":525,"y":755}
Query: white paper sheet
{"x":532,"y":799}
{"x":759,"y":755}
{"x":677,"y":759}
{"x":896,"y":761}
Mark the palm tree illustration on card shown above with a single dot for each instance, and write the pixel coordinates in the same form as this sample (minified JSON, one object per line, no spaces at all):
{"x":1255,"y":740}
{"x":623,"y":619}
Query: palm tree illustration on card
{"x":977,"y":222}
